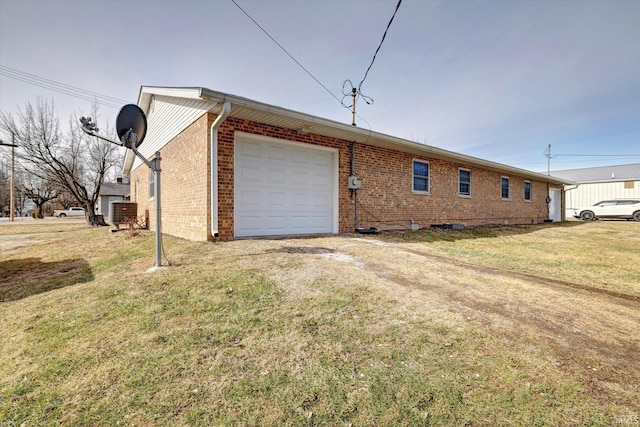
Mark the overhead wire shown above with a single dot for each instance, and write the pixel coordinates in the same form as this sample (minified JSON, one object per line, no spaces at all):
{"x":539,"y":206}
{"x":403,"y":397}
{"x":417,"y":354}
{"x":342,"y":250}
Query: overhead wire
{"x":597,"y":155}
{"x":357,"y":93}
{"x":379,"y":45}
{"x":286,"y":51}
{"x":63,"y":88}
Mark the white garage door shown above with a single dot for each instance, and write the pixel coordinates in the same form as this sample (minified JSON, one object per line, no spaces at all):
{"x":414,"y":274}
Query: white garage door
{"x":283,"y":188}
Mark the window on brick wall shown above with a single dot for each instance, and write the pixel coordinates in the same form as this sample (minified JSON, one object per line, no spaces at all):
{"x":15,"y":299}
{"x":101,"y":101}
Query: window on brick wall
{"x":464,"y":182}
{"x":527,"y":191}
{"x":505,"y":187}
{"x":420,"y":176}
{"x":152,"y":184}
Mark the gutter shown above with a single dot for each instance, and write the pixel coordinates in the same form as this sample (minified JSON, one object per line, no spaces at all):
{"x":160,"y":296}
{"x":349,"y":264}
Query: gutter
{"x":226,"y":109}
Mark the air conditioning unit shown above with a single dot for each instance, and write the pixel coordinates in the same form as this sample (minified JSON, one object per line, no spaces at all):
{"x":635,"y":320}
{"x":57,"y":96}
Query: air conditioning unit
{"x":122,"y":212}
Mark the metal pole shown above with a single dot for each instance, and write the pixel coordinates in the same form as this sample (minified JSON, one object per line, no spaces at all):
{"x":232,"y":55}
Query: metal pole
{"x":353,"y":107}
{"x":12,"y":202}
{"x":158,"y":211}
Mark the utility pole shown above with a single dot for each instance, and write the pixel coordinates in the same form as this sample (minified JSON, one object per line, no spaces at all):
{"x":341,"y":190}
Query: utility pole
{"x":12,"y":203}
{"x":548,"y":154}
{"x":353,"y":106}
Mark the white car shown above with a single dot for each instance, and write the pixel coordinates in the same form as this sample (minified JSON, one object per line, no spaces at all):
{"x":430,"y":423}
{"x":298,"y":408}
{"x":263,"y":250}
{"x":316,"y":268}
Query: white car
{"x":69,"y":212}
{"x":614,"y":208}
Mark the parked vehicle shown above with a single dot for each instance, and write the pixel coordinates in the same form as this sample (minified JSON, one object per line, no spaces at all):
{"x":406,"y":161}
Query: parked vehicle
{"x":615,"y":208}
{"x":69,"y":212}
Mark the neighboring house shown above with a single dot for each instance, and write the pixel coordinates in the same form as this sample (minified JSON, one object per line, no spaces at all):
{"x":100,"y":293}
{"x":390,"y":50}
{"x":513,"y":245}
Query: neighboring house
{"x":233,"y":168}
{"x":109,"y":192}
{"x":600,"y":183}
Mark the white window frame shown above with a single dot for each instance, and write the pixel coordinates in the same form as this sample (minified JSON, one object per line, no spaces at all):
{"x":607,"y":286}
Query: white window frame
{"x":460,"y":193}
{"x":525,"y":191}
{"x":508,"y":188}
{"x":428,"y":177}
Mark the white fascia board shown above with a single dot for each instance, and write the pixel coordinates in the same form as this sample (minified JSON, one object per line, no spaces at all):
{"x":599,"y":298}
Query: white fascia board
{"x":341,"y":130}
{"x":351,"y":132}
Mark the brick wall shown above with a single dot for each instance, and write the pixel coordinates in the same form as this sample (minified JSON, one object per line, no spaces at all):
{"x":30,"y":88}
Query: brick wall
{"x":385,"y":201}
{"x":185,"y":183}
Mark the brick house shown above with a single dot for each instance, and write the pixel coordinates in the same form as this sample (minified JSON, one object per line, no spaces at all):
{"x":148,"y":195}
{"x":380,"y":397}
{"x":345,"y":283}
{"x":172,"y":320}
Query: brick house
{"x":281,"y":172}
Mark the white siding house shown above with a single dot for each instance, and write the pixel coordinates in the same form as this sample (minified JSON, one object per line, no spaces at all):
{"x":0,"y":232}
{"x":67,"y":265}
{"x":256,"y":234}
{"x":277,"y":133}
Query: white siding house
{"x":600,"y":183}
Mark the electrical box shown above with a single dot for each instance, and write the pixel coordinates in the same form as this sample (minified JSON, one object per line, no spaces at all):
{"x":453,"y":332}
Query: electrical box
{"x":354,"y":183}
{"x":122,"y":212}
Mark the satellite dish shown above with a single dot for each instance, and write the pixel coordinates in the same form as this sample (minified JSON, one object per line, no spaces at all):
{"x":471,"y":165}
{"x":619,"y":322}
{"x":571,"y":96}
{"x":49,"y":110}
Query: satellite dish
{"x":131,"y":120}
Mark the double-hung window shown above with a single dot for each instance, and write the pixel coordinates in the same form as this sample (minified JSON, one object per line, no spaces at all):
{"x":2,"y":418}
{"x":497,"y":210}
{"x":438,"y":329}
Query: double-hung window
{"x":420,"y":176}
{"x":505,"y":188}
{"x":464,"y":182}
{"x":527,"y":191}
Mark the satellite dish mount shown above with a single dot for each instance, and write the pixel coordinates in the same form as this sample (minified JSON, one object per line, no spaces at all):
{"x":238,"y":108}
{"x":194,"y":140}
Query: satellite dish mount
{"x":131,"y":126}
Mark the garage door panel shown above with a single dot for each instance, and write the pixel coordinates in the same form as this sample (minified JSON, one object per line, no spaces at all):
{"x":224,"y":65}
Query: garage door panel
{"x":299,"y":223}
{"x":283,"y":189}
{"x":250,"y":174}
{"x":251,"y":149}
{"x":299,"y":156}
{"x":319,"y":200}
{"x":276,"y":153}
{"x":250,"y":224}
{"x":321,"y":159}
{"x":275,"y":223}
{"x":251,"y":199}
{"x":321,"y":180}
{"x":276,"y":199}
{"x":299,"y":200}
{"x":274,"y":176}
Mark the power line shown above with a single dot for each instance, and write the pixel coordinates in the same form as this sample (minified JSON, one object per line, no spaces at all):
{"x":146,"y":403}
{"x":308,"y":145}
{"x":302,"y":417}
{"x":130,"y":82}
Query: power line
{"x":285,"y":51}
{"x":380,"y":45}
{"x":597,"y":155}
{"x":357,"y":93}
{"x":63,"y":88}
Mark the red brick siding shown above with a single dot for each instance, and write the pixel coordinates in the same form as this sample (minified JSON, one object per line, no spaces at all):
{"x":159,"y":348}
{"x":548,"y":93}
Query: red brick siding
{"x":386,"y":199}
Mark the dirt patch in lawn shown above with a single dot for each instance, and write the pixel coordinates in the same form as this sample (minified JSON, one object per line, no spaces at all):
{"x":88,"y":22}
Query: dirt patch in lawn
{"x":593,"y":333}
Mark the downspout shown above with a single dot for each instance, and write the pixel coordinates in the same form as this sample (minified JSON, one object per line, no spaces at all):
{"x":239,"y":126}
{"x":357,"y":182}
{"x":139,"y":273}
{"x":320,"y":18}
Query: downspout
{"x":226,"y":109}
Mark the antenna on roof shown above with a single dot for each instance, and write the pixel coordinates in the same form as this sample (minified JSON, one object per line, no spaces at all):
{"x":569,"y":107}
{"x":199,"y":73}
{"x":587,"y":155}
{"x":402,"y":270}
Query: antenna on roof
{"x":547,"y":153}
{"x":353,"y":106}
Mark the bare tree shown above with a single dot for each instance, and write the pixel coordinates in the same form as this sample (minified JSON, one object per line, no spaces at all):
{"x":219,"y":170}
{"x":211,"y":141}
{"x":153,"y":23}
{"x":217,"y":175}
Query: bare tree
{"x":76,"y":164}
{"x":38,"y":190}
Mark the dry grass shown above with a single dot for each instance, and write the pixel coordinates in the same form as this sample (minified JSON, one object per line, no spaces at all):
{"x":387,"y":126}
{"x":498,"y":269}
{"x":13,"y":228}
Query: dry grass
{"x":328,"y":331}
{"x":599,"y":254}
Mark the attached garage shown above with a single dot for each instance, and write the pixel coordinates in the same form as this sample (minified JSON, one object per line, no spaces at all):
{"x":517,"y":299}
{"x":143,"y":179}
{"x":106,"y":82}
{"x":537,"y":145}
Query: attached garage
{"x":284,"y":188}
{"x":237,"y":168}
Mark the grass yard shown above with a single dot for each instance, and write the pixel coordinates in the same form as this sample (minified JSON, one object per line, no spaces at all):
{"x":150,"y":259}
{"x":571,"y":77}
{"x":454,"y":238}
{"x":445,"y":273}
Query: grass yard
{"x":601,"y":255}
{"x":395,"y":330}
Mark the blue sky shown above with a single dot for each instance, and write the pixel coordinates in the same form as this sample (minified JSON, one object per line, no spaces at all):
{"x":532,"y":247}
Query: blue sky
{"x":499,"y":80}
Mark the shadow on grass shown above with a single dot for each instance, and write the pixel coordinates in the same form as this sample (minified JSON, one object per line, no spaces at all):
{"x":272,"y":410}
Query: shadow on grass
{"x":475,"y":232}
{"x":21,"y":278}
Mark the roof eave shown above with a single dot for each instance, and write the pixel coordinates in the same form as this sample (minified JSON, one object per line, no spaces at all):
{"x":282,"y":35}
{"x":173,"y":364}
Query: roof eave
{"x":331,"y":128}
